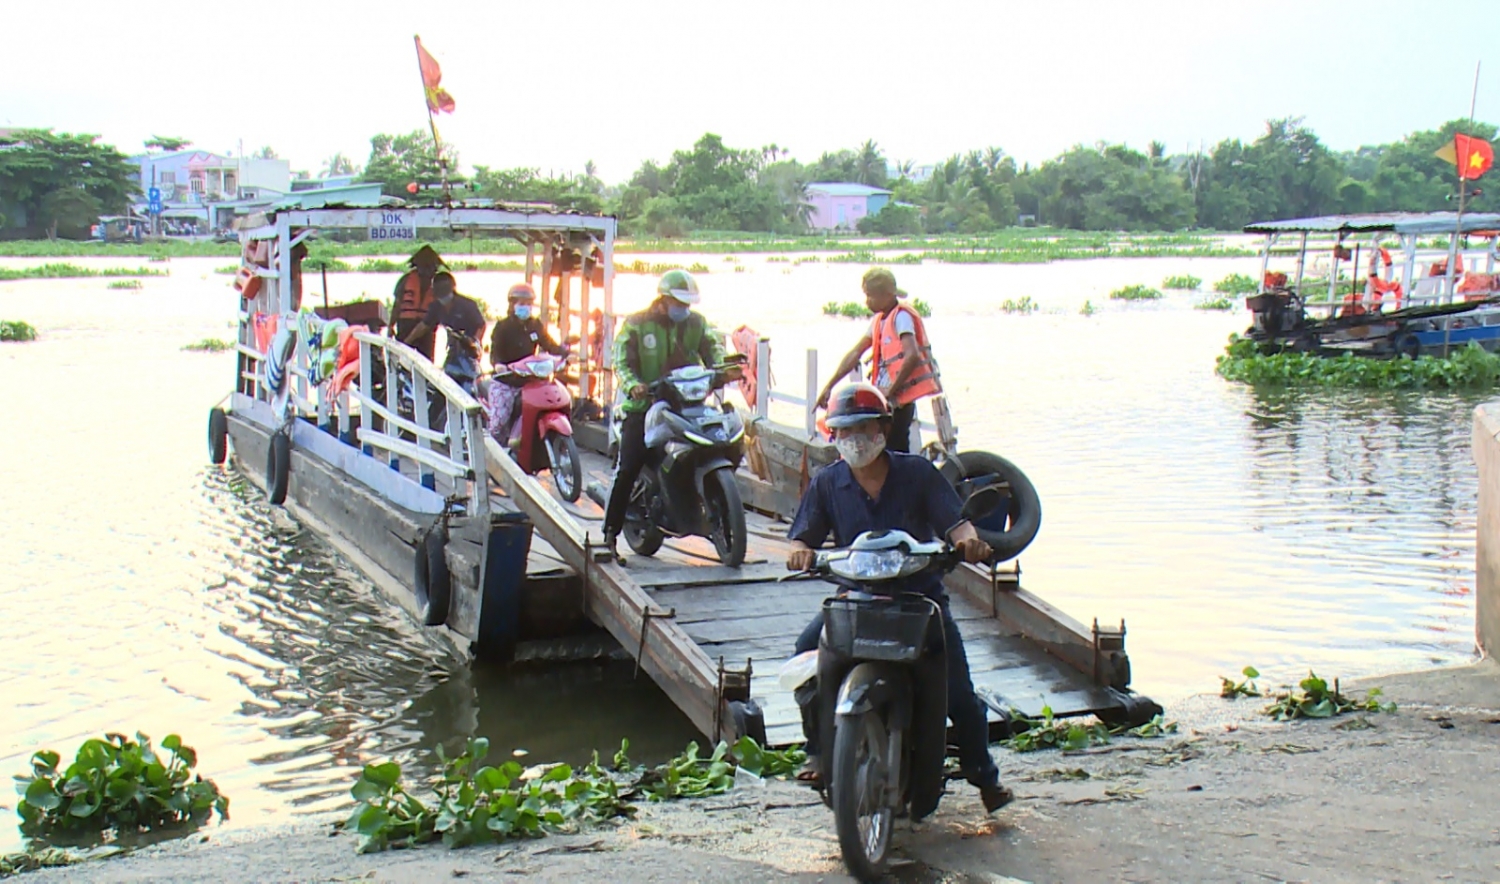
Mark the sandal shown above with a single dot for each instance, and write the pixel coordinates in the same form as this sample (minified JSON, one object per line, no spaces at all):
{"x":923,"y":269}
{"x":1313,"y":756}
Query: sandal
{"x":809,"y":775}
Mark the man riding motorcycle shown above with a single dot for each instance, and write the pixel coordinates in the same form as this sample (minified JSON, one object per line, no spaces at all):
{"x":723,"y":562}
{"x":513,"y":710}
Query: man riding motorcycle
{"x":874,"y":489}
{"x":665,"y":336}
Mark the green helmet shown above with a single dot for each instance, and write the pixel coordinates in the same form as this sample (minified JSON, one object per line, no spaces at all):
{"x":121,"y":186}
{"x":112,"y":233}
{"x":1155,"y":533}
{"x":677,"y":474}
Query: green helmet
{"x":678,"y":284}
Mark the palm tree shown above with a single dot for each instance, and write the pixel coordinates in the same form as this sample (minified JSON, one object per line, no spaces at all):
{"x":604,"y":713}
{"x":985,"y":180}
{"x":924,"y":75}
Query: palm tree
{"x":904,"y":169}
{"x":993,"y":157}
{"x":869,"y":165}
{"x":339,"y":164}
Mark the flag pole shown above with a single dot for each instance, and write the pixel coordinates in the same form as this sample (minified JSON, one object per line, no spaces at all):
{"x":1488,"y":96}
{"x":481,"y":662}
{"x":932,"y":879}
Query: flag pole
{"x":437,"y":143}
{"x":1458,"y":222}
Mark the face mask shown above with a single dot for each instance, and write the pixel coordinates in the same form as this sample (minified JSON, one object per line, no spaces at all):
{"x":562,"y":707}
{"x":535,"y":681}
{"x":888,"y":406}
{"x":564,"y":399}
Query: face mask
{"x":678,"y":312}
{"x":860,"y":450}
{"x":523,"y":311}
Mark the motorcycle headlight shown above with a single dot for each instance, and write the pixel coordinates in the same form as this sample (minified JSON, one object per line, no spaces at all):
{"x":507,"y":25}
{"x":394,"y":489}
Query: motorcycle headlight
{"x":885,"y":564}
{"x":695,"y":390}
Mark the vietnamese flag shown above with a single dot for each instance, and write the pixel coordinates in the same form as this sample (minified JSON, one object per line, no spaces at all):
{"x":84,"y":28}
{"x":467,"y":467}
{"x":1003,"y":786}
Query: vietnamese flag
{"x":1473,"y":156}
{"x":438,"y":99}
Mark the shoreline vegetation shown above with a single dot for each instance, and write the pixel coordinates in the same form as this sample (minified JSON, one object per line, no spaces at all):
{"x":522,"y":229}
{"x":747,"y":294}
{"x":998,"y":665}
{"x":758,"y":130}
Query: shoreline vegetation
{"x":1015,"y":246}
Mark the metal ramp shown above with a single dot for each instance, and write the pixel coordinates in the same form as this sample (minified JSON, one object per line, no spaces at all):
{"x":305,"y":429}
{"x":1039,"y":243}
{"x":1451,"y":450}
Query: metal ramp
{"x":713,"y":637}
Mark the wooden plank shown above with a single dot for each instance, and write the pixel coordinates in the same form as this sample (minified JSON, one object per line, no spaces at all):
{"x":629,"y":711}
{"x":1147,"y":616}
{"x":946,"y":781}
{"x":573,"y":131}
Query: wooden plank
{"x":674,"y":661}
{"x":1028,"y":615}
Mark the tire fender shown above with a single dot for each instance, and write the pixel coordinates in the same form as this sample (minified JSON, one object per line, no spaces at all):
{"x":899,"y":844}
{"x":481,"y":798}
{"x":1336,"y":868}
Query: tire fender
{"x":278,"y":467}
{"x":556,"y":421}
{"x":708,"y":466}
{"x":866,"y":687}
{"x":218,"y":436}
{"x":433,"y":584}
{"x":1025,"y":504}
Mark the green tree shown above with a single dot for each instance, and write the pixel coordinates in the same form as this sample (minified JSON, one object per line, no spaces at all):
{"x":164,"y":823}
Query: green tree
{"x":167,"y":143}
{"x":265,"y":153}
{"x":63,"y":182}
{"x":581,"y":193}
{"x":339,"y":164}
{"x":1409,"y":177}
{"x":1285,"y":173}
{"x":869,"y":165}
{"x":398,"y":160}
{"x":1109,"y":187}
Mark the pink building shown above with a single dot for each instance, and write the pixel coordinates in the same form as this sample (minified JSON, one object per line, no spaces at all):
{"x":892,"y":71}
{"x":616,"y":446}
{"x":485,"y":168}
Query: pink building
{"x":839,"y":206}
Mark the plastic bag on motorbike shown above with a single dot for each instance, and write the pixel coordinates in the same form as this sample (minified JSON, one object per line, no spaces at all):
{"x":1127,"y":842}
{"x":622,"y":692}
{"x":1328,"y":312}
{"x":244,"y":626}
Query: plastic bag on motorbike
{"x":657,"y":429}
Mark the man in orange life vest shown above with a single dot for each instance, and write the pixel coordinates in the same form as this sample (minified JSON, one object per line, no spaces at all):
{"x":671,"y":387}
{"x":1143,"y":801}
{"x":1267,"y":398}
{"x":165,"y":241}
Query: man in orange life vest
{"x":414,"y":298}
{"x":901,"y":363}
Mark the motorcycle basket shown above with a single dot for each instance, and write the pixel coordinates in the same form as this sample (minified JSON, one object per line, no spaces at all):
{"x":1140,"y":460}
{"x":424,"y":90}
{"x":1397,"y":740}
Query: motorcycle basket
{"x":894,"y":630}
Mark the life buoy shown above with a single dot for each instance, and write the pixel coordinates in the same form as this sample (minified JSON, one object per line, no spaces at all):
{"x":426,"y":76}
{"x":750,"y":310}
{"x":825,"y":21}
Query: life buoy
{"x":1379,"y":288}
{"x":433,"y":584}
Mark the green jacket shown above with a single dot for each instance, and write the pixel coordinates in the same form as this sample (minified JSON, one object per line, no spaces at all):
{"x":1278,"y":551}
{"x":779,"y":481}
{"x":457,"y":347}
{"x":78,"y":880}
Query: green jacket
{"x":649,"y":346}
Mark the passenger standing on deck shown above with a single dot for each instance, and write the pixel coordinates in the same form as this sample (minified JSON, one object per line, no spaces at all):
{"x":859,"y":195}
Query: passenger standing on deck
{"x":414,"y":298}
{"x":872,"y":488}
{"x":901,"y":363}
{"x":665,"y":336}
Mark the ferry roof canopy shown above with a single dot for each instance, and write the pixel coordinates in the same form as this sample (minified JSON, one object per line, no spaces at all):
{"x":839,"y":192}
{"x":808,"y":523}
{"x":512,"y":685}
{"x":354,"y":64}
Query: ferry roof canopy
{"x":505,"y":217}
{"x":1393,"y":222}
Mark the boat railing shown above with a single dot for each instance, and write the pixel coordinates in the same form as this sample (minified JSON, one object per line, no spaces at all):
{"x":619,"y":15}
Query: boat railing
{"x":941,"y":426}
{"x":440,"y":430}
{"x":1325,"y":285}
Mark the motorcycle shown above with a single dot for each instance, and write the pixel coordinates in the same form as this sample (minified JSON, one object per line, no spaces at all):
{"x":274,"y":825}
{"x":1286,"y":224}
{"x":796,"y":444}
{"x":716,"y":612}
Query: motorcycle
{"x":880,"y":677}
{"x":688,"y":486}
{"x":546,"y":432}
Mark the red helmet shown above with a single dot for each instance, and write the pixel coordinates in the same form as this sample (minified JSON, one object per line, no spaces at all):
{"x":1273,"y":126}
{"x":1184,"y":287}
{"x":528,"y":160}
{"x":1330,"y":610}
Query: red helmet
{"x":855,"y":403}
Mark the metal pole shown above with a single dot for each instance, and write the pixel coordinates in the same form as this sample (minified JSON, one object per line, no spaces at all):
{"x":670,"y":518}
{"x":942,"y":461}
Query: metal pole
{"x":763,"y":378}
{"x":811,"y":416}
{"x":437,"y":144}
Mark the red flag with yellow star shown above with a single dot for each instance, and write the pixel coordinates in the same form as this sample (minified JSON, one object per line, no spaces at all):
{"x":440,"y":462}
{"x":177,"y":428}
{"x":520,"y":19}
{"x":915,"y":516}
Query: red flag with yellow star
{"x":438,"y":99}
{"x":1473,"y":156}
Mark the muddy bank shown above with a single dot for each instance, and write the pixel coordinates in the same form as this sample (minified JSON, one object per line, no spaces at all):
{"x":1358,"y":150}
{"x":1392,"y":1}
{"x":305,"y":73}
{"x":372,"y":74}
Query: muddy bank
{"x":1409,"y":796}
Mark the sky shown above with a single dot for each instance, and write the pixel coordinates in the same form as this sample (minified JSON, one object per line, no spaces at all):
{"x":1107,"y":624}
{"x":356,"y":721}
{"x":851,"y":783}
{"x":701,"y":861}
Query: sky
{"x":556,"y":85}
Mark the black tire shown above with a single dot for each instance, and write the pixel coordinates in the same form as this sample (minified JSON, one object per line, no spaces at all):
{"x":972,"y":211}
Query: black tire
{"x":641,"y":534}
{"x":218,"y":436}
{"x":726,"y":516}
{"x":1025,"y":506}
{"x":568,"y":479}
{"x":864,"y":852}
{"x":433,"y":584}
{"x":1406,"y":344}
{"x":278,"y":467}
{"x":643,"y":538}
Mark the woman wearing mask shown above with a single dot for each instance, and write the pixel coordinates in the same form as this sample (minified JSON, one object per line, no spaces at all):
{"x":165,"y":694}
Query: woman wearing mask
{"x":519,"y":335}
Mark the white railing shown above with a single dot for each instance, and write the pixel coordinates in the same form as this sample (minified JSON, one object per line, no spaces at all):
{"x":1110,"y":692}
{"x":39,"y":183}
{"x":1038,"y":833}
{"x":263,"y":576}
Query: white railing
{"x":456,"y":450}
{"x":941,"y":426}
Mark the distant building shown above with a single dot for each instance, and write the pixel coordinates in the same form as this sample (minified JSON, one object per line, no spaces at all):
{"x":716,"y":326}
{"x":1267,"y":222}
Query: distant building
{"x":917,"y":175}
{"x":208,"y":189}
{"x":839,"y":206}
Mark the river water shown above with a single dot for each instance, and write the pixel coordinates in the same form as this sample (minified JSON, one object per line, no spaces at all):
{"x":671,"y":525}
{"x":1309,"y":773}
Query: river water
{"x":145,"y":590}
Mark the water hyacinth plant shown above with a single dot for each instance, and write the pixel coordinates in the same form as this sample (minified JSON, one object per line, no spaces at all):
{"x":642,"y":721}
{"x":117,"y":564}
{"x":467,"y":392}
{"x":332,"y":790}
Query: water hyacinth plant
{"x":1135,"y":293}
{"x":1236,"y":284}
{"x":1184,"y":282}
{"x":14,"y":330}
{"x":118,"y":783}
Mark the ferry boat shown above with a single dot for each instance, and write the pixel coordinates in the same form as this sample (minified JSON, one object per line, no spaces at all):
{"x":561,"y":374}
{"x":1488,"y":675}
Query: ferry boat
{"x":1379,"y":285}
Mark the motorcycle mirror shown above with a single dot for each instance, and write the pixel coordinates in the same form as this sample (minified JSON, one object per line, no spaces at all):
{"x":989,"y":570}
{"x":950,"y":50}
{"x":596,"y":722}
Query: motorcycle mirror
{"x":982,"y":503}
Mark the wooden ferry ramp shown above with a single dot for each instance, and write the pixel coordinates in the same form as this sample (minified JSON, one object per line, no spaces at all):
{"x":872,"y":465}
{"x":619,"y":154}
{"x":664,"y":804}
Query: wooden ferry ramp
{"x":713,"y":637}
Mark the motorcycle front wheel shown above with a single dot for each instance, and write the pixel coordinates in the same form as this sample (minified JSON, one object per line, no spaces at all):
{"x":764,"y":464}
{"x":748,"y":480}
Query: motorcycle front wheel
{"x":726,"y":516}
{"x":567,"y":470}
{"x":861,"y":815}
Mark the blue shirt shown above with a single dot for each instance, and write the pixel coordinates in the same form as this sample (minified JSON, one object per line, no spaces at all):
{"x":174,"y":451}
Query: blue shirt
{"x":915,"y":499}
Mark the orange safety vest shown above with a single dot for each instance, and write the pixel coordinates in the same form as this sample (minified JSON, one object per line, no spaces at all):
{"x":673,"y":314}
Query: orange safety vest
{"x":414,"y":299}
{"x":887,"y":353}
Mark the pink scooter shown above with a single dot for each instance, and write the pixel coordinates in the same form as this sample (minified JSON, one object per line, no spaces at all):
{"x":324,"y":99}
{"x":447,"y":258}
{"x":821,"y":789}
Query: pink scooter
{"x":546,"y":432}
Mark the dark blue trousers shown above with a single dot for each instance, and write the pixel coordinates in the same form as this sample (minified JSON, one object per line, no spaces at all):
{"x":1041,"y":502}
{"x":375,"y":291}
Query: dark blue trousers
{"x":964,"y":709}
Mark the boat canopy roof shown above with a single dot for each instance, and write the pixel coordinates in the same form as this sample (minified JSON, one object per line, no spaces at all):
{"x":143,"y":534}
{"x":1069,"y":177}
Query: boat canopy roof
{"x":388,"y":222}
{"x":1393,"y":222}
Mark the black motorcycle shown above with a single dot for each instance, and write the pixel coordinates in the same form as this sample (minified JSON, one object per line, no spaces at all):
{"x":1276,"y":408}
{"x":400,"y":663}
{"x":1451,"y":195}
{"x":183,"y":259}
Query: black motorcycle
{"x":881,"y":684}
{"x":687,"y":487}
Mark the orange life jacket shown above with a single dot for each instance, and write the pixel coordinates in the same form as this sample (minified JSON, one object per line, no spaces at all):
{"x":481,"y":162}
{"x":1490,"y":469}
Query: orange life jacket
{"x":414,"y":298}
{"x":888,"y":354}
